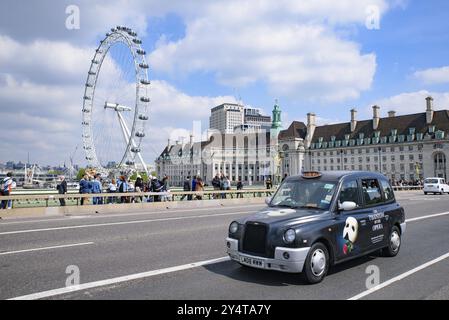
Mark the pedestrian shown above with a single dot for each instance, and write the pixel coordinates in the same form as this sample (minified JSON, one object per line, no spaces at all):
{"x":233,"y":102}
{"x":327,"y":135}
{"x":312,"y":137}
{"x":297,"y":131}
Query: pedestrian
{"x":62,"y":189}
{"x":269,"y":185}
{"x":84,"y":188}
{"x":216,"y":185}
{"x":187,"y":185}
{"x":123,"y":188}
{"x":139,"y":187}
{"x":96,"y":188}
{"x":7,"y":185}
{"x":156,"y":186}
{"x":239,"y":187}
{"x":165,"y":188}
{"x":112,"y":188}
{"x":194,"y":180}
{"x":199,"y":187}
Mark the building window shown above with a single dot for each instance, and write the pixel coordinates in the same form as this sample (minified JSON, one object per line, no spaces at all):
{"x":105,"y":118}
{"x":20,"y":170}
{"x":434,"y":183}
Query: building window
{"x":410,"y":148}
{"x":402,"y":157}
{"x":401,"y":148}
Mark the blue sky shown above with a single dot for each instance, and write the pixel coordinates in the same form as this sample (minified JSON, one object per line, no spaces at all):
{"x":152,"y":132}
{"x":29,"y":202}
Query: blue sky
{"x":311,"y":55}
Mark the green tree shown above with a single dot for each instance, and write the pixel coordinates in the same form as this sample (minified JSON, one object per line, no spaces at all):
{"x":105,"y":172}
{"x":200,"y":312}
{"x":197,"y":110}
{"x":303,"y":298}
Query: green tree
{"x":142,"y":174}
{"x":80,"y":174}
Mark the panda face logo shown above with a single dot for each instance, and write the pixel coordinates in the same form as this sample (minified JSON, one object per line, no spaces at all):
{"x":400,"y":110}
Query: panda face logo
{"x":351,"y":229}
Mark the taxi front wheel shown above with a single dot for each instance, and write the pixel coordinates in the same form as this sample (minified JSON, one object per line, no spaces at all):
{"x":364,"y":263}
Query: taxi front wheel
{"x":394,"y":243}
{"x":317,"y":263}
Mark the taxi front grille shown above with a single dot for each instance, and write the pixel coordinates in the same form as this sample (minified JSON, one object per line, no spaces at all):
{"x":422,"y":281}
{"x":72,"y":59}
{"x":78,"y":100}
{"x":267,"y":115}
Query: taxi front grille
{"x":254,"y":239}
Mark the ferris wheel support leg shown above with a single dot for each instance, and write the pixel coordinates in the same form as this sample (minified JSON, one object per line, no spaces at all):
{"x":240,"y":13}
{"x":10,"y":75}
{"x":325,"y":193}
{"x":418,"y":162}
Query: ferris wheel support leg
{"x":127,"y":137}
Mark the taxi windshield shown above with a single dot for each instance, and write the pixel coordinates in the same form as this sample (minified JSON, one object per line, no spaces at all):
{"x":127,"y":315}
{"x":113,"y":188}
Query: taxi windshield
{"x":308,"y":194}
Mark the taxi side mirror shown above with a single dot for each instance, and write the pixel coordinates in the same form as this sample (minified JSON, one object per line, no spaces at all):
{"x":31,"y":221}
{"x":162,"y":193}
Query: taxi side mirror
{"x":267,"y":201}
{"x":347,"y":206}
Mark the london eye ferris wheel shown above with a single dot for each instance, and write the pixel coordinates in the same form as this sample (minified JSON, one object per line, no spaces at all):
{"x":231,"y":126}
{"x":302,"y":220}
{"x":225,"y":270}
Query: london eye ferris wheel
{"x":115,"y":104}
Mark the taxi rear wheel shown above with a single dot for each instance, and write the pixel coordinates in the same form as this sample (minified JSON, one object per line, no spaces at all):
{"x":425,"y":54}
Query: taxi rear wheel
{"x":317,"y":263}
{"x":394,"y":243}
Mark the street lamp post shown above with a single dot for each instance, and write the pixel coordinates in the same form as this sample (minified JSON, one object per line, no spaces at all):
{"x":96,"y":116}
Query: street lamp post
{"x":341,"y":159}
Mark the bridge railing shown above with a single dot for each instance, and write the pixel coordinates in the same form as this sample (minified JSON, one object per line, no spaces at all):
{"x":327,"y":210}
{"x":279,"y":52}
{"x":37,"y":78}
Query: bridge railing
{"x":405,"y":188}
{"x":52,"y":200}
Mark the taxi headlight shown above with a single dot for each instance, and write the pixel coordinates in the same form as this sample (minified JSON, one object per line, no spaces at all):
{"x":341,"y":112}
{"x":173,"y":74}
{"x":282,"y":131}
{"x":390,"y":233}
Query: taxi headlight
{"x":233,"y":227}
{"x":289,"y":236}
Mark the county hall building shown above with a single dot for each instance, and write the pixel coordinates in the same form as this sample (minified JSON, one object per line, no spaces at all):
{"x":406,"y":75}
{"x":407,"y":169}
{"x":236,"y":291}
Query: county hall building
{"x":407,"y":147}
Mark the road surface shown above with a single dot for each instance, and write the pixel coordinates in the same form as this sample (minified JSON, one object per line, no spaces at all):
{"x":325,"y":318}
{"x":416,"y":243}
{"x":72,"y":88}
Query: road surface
{"x":180,"y":254}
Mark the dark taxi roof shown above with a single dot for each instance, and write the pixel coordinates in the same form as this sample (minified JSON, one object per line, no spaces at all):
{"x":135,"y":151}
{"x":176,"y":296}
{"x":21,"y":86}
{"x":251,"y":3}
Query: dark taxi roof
{"x":337,"y":175}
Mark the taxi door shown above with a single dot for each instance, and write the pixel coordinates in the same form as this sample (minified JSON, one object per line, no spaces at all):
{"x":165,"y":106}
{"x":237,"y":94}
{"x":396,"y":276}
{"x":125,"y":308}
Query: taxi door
{"x":352,"y":227}
{"x":378,"y":215}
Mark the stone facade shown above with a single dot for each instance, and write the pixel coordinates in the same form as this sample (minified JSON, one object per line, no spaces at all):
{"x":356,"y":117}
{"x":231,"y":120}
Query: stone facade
{"x":407,"y":147}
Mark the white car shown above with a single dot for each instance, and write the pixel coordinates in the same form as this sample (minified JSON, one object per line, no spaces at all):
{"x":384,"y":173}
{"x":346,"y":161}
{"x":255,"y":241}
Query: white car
{"x":435,"y":185}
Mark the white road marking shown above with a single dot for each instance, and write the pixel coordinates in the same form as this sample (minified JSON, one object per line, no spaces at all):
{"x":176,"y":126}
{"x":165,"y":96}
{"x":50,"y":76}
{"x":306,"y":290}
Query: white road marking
{"x":118,"y":215}
{"x":89,"y":285}
{"x":399,"y":277}
{"x":427,"y":217}
{"x":46,"y":248}
{"x":125,"y":222}
{"x":106,"y":282}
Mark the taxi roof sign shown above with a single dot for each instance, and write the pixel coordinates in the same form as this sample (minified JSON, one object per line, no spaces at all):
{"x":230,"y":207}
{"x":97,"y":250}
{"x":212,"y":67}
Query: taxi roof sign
{"x":311,"y":174}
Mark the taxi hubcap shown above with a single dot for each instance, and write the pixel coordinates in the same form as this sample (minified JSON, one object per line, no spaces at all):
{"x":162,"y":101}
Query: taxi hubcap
{"x":395,"y":241}
{"x":318,"y":262}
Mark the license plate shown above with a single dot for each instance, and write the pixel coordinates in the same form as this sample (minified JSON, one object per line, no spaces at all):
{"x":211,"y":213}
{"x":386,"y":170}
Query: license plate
{"x":252,"y":262}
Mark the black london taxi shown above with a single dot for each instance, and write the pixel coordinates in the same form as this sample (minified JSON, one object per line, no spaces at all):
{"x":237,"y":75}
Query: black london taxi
{"x":317,"y":220}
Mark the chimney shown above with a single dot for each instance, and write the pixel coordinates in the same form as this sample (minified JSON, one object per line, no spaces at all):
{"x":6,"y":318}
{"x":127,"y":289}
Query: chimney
{"x":376,"y":117}
{"x":391,"y":114}
{"x":353,"y":119}
{"x":429,"y":110}
{"x":310,"y":128}
{"x":191,"y":138}
{"x":168,"y":143}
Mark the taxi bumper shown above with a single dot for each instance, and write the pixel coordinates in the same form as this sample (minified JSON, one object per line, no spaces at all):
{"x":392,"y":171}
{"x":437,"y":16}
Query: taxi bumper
{"x":289,"y":260}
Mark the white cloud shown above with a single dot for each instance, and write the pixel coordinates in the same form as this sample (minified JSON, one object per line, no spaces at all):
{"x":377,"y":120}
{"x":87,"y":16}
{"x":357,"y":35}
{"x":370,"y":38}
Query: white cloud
{"x":412,"y":102}
{"x":291,"y":46}
{"x":433,"y":75}
{"x":44,"y":115}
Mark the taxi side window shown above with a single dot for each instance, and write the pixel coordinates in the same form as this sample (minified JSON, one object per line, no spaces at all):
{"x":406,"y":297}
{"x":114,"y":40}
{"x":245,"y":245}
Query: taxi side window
{"x":388,"y":191}
{"x":349,"y":192}
{"x":371,"y":191}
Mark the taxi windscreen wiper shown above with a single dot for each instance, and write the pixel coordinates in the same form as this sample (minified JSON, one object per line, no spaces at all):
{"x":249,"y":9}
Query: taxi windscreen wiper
{"x":310,"y":207}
